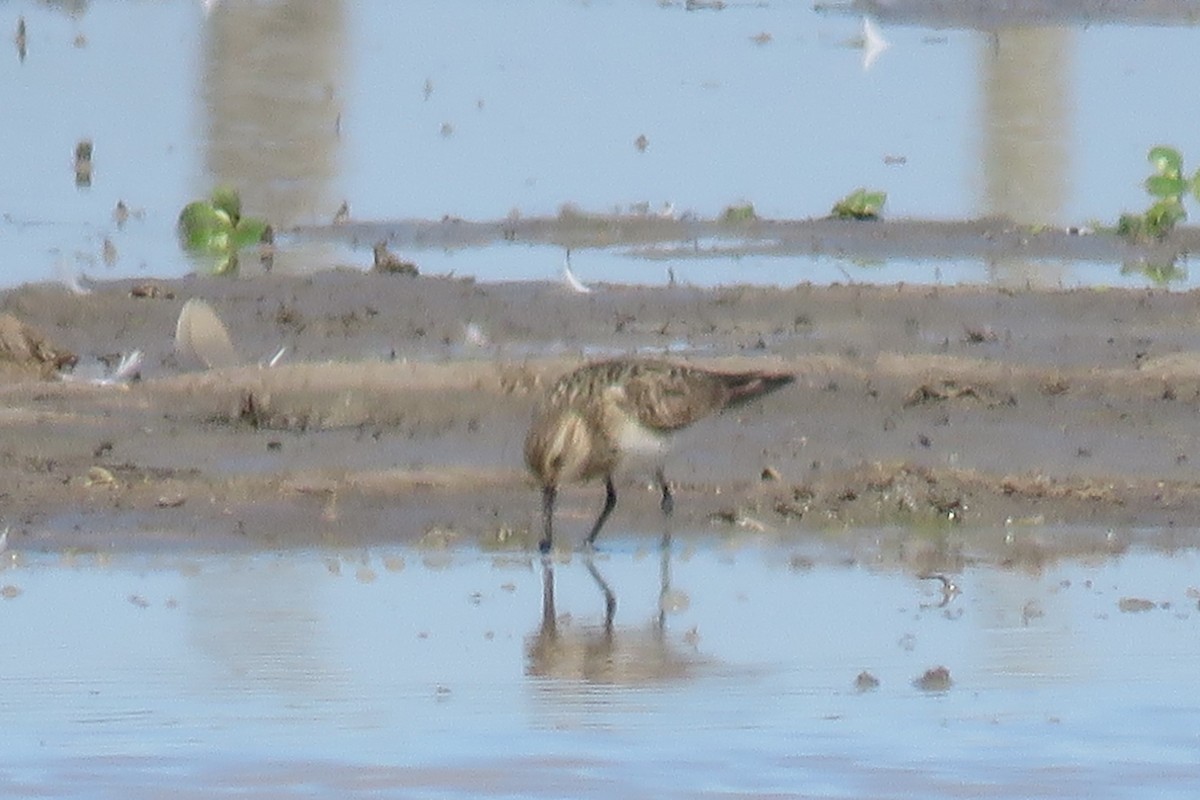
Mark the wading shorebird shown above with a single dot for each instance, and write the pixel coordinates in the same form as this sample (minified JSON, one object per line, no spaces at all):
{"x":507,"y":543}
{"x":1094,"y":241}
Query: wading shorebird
{"x":602,"y":411}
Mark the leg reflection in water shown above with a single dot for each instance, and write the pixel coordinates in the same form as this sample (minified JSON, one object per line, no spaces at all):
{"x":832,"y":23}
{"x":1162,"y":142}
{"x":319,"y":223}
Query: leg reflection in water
{"x":608,"y":653}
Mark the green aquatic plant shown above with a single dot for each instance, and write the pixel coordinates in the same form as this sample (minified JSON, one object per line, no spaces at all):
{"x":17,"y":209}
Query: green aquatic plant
{"x":736,"y":215}
{"x":1168,"y":186}
{"x":859,"y":204}
{"x":1154,"y":225}
{"x":215,"y":227}
{"x":1158,"y":273}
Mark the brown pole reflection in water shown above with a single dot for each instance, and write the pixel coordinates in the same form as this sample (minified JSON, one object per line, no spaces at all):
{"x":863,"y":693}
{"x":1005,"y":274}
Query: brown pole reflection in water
{"x":1027,"y":107}
{"x":606,"y":654}
{"x":273,"y":83}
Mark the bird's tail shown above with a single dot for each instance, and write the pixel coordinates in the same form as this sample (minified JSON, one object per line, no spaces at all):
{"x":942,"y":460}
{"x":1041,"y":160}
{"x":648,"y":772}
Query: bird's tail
{"x":746,"y":386}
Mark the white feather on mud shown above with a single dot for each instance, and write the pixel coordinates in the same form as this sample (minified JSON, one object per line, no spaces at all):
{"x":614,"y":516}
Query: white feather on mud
{"x":572,"y":281}
{"x":76,"y":282}
{"x":201,"y":337}
{"x":275,"y":359}
{"x":126,"y":370}
{"x":873,"y":43}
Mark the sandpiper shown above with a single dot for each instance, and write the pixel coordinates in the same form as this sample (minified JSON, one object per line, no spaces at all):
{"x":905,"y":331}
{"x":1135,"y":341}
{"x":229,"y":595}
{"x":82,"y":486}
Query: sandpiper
{"x":602,"y":411}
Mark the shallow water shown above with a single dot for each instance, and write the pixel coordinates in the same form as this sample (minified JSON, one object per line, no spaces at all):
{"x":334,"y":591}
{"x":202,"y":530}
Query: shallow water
{"x":455,"y":109}
{"x":408,"y":672}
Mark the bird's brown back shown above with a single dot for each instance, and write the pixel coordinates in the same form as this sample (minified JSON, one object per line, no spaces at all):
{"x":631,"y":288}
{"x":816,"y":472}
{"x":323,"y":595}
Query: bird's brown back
{"x":667,"y":397}
{"x":574,"y":429}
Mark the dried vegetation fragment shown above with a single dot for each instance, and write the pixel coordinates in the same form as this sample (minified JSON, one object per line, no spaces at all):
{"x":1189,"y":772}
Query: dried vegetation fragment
{"x":388,"y":263}
{"x":942,"y":390}
{"x":1135,"y":605}
{"x":881,"y":493}
{"x":934,"y":679}
{"x":25,"y":352}
{"x":906,"y":493}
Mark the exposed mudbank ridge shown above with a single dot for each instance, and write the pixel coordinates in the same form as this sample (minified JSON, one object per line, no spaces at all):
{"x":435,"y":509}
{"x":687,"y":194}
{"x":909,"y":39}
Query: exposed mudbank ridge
{"x":930,"y":409}
{"x":684,"y":237}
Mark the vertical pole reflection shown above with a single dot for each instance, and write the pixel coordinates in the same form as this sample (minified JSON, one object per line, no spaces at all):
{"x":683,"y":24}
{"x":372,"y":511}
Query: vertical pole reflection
{"x":273,"y":81}
{"x":1027,"y":107}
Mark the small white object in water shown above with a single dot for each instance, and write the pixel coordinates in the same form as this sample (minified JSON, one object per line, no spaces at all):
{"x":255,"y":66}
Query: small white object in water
{"x":575,"y":284}
{"x":475,"y":337}
{"x":4,"y":540}
{"x":275,"y":359}
{"x":125,"y":371}
{"x":69,"y":278}
{"x":873,"y":43}
{"x":126,"y":368}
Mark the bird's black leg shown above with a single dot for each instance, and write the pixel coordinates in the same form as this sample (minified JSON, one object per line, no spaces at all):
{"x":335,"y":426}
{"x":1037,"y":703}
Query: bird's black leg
{"x":548,"y":495}
{"x":668,"y":499}
{"x":610,"y":502}
{"x":667,"y":505}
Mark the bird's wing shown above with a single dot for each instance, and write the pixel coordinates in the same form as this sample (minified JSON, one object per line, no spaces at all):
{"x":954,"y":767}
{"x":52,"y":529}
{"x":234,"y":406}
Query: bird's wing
{"x":673,"y":398}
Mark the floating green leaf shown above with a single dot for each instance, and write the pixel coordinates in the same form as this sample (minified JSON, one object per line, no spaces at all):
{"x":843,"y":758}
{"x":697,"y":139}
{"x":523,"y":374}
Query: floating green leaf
{"x":227,"y":199}
{"x":248,"y":231}
{"x":226,"y":264}
{"x":1166,"y":186}
{"x":203,"y":228}
{"x":860,"y":204}
{"x":1166,"y":160}
{"x":215,"y":227}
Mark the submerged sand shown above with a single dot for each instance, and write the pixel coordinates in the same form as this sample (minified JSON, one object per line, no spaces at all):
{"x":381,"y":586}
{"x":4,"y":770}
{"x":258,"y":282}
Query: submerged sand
{"x":399,"y":410}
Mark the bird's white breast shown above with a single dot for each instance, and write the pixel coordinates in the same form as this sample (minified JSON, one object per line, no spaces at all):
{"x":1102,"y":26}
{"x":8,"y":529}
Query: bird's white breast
{"x":636,"y":439}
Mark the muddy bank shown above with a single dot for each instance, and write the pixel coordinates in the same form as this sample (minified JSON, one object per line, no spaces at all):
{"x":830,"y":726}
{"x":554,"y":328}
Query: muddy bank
{"x":685,"y":236}
{"x":989,"y":15}
{"x":390,"y":419}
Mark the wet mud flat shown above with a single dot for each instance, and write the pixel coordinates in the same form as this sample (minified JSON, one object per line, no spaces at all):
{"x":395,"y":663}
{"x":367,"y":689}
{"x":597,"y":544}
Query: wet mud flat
{"x":677,"y":237}
{"x":986,"y":15}
{"x":399,"y":410}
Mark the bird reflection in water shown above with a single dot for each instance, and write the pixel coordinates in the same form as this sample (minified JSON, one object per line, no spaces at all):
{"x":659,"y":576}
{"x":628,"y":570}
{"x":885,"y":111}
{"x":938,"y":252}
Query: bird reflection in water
{"x":608,"y":654}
